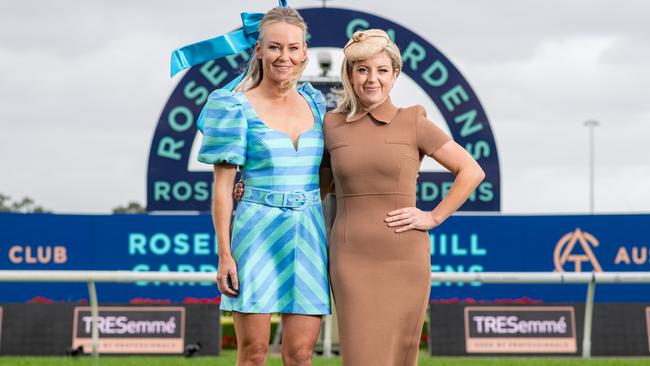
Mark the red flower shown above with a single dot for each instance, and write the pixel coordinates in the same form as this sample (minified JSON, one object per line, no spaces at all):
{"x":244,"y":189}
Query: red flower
{"x":202,"y":300}
{"x":40,"y":300}
{"x":229,"y":342}
{"x":145,"y":300}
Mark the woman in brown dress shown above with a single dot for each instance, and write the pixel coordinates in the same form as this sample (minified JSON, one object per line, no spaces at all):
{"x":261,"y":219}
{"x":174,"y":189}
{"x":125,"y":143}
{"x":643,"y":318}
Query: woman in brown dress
{"x":379,"y":247}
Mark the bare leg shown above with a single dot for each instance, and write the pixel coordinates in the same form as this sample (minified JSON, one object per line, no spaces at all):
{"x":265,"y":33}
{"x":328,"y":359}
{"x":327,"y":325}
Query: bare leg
{"x":299,"y":335}
{"x":253,"y":331}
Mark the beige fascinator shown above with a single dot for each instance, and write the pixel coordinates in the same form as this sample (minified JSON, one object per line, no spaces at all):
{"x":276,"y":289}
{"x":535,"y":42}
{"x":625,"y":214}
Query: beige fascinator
{"x":364,"y":44}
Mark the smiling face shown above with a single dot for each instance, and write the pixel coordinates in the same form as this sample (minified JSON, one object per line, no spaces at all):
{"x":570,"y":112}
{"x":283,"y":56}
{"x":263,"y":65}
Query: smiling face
{"x":372,"y":79}
{"x":282,"y":51}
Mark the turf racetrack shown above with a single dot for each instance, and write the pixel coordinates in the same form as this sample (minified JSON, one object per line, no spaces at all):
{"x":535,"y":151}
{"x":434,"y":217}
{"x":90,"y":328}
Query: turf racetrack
{"x":228,"y":359}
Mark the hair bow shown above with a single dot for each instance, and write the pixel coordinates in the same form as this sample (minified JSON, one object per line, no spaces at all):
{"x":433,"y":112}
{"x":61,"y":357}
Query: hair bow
{"x":225,"y":45}
{"x":228,"y":44}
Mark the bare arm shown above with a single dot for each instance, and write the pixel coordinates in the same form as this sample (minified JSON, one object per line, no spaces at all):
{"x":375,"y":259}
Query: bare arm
{"x":224,"y":177}
{"x":468,"y":176}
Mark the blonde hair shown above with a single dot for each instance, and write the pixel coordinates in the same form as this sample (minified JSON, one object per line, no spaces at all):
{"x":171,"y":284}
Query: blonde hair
{"x":356,"y":51}
{"x":255,"y":73}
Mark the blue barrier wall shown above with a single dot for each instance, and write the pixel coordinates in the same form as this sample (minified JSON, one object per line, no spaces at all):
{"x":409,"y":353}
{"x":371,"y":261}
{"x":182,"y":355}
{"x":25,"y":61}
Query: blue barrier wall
{"x":187,"y":243}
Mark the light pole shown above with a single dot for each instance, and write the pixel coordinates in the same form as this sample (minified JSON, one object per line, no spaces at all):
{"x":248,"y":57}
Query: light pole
{"x":591,"y":124}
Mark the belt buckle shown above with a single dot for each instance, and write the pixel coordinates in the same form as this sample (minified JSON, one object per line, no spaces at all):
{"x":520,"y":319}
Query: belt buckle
{"x":290,"y":199}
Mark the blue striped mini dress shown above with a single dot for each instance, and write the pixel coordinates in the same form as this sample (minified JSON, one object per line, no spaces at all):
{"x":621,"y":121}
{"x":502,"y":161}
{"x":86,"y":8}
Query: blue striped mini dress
{"x":281,"y":253}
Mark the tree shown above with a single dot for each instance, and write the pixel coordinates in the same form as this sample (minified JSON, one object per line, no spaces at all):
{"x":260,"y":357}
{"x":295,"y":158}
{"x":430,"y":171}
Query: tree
{"x":25,"y":205}
{"x":133,"y":207}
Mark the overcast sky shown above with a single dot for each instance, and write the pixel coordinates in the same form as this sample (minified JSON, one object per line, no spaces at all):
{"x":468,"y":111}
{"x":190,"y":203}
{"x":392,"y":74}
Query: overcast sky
{"x":82,"y":84}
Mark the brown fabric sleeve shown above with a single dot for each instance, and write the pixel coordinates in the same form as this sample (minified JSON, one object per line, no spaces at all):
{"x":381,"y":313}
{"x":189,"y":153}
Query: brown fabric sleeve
{"x":429,"y":136}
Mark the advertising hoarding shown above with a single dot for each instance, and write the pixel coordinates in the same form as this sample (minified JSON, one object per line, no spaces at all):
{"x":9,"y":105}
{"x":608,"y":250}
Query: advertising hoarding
{"x":186,"y":243}
{"x":130,"y":330}
{"x":511,"y":329}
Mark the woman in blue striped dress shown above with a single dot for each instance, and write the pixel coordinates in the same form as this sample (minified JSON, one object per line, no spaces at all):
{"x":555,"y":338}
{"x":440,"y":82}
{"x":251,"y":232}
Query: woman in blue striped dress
{"x":275,"y":259}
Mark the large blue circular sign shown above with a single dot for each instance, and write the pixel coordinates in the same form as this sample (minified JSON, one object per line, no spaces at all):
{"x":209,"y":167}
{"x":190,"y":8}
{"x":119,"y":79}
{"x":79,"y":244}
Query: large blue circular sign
{"x":172,"y":187}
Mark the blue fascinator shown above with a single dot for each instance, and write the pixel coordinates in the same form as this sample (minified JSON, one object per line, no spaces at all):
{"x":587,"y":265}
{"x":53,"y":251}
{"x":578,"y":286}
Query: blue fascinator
{"x":221,"y":46}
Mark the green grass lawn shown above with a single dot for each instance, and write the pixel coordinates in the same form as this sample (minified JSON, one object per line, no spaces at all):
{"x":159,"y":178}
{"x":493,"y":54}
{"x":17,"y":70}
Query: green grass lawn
{"x":228,"y":359}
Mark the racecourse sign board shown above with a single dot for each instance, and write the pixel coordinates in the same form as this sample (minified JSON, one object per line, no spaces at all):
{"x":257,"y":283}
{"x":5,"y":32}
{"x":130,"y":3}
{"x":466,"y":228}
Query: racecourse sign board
{"x":171,"y":186}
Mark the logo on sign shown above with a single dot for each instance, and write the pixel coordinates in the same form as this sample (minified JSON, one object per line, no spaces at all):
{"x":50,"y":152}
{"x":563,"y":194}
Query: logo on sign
{"x":509,"y":329}
{"x":132,"y":329}
{"x":576,"y":248}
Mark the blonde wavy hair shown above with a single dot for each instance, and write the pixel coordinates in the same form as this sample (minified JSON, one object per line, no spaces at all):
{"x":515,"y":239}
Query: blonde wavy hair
{"x":363,"y":45}
{"x":255,"y":73}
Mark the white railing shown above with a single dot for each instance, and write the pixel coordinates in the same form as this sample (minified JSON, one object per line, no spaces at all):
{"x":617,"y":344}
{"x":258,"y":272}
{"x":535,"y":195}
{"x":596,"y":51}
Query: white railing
{"x":92,"y":277}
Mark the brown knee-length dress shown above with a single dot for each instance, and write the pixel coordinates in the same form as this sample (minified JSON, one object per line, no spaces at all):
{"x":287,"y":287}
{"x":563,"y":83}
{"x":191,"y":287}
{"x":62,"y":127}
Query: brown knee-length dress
{"x":380,"y":279}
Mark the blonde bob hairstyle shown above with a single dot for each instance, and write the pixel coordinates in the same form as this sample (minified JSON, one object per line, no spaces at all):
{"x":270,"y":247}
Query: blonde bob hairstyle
{"x":255,"y":73}
{"x":363,"y":45}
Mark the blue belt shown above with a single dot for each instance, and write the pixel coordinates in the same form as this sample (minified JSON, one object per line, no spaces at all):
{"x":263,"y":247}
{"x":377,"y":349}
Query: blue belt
{"x":297,"y":199}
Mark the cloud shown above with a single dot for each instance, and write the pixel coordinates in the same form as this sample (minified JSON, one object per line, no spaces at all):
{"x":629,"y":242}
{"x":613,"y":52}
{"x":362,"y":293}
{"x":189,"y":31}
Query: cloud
{"x":83,"y":84}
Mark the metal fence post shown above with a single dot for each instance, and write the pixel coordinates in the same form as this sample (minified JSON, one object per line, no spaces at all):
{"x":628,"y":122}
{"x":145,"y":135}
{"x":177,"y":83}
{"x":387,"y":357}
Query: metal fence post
{"x":94,"y":312}
{"x":327,"y":336}
{"x":589,"y":315}
{"x":277,"y":338}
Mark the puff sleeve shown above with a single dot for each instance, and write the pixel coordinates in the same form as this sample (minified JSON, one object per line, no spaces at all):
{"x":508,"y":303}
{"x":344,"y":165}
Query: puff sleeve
{"x":224,"y":130}
{"x":429,"y":136}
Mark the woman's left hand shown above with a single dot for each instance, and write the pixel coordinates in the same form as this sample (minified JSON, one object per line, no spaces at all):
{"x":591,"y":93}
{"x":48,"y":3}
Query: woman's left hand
{"x":410,"y":218}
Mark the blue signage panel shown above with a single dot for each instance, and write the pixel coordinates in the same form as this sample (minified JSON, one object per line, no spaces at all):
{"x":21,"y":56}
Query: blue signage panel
{"x":187,"y":243}
{"x":172,"y":187}
{"x":111,"y":242}
{"x":570,"y":243}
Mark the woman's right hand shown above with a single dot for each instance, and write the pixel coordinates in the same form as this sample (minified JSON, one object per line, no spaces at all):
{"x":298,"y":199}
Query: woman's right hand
{"x":238,"y":193}
{"x":227,"y":268}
